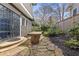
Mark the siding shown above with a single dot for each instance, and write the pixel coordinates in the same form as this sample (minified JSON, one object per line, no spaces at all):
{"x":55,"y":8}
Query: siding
{"x":26,"y":29}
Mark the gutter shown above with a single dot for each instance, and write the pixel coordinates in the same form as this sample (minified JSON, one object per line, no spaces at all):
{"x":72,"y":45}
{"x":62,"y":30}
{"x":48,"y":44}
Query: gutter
{"x":26,"y":10}
{"x":21,"y":12}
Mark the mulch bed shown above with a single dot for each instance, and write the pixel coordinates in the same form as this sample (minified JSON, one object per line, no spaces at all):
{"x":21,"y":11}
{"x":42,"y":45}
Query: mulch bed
{"x":59,"y":41}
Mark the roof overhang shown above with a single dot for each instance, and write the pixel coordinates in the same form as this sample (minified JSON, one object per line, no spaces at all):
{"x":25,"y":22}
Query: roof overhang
{"x":23,"y":10}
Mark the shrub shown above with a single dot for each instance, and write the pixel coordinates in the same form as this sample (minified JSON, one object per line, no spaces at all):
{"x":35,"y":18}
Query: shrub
{"x":35,"y":28}
{"x":72,"y":43}
{"x":74,"y":32}
{"x":34,"y":23}
{"x":52,"y":32}
{"x":58,"y":31}
{"x":45,"y":34}
{"x":44,"y":28}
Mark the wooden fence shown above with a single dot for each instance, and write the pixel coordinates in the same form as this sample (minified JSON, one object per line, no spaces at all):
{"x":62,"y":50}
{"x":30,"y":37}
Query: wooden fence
{"x":68,"y":23}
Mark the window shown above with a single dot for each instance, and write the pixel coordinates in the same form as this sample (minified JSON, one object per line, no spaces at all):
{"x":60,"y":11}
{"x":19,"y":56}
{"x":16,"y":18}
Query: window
{"x":74,"y":11}
{"x":26,"y":22}
{"x":9,"y":23}
{"x":23,"y":21}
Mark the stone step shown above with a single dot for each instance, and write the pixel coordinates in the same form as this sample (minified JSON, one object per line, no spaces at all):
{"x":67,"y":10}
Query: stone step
{"x":15,"y":45}
{"x":58,"y":52}
{"x":18,"y":51}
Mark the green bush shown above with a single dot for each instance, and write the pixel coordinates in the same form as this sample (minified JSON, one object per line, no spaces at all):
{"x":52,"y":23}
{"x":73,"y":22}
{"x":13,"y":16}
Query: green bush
{"x":52,"y":32}
{"x":58,"y":31}
{"x":48,"y":32}
{"x":44,"y":28}
{"x":72,"y":43}
{"x":34,"y":23}
{"x":74,"y":32}
{"x":35,"y":28}
{"x":45,"y":34}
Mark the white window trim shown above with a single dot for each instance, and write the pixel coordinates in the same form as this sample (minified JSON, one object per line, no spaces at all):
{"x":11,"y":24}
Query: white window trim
{"x":20,"y":25}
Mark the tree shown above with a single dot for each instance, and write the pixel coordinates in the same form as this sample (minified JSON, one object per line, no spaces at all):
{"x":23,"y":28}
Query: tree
{"x":52,"y":21}
{"x":44,"y":12}
{"x":60,"y":11}
{"x":34,"y":4}
{"x":56,"y":10}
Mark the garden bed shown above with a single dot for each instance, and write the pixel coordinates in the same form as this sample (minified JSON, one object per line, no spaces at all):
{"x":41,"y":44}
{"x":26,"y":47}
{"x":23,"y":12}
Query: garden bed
{"x":67,"y":51}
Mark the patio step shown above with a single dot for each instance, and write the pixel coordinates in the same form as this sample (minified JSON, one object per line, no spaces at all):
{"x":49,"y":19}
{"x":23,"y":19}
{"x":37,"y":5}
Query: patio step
{"x":18,"y":51}
{"x":6,"y":44}
{"x":23,"y":39}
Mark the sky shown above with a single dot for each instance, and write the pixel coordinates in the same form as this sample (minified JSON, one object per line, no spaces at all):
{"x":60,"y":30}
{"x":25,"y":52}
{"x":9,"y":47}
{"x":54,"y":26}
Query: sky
{"x":36,"y":7}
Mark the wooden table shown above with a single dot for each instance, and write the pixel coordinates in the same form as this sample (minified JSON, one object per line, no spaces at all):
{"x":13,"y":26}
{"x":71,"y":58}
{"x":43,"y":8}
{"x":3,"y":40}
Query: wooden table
{"x":35,"y":36}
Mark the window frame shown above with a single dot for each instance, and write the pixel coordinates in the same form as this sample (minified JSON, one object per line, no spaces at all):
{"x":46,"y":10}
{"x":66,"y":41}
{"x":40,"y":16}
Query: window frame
{"x":74,"y":11}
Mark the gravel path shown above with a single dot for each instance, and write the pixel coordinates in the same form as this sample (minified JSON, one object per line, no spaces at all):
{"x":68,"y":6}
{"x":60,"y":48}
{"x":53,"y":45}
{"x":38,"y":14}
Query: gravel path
{"x":45,"y":48}
{"x":59,"y":41}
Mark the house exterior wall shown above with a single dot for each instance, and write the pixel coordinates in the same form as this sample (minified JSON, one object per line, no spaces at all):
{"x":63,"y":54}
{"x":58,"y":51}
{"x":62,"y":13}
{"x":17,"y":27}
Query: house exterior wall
{"x":74,"y":6}
{"x":26,"y":28}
